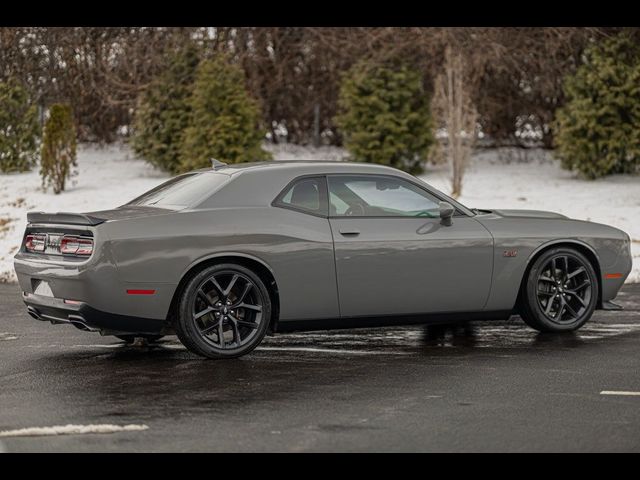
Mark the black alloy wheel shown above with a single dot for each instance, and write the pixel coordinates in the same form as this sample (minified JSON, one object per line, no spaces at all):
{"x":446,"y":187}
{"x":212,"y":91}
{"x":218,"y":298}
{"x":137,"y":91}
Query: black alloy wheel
{"x":224,"y":312}
{"x":561,"y":291}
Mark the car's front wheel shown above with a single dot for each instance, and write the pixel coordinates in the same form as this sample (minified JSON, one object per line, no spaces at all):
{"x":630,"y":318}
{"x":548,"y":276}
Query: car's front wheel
{"x":224,"y":312}
{"x":561,"y":291}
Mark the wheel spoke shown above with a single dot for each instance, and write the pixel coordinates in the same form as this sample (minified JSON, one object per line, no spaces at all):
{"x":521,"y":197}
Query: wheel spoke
{"x":570,"y":309}
{"x":221,"y":334}
{"x":257,"y":308}
{"x":216,"y":285}
{"x":204,"y":297}
{"x":209,"y":329}
{"x":575,"y":295}
{"x":561,"y":310}
{"x":584,"y":284}
{"x":546,"y":279}
{"x":553,"y":267}
{"x":232,"y":283}
{"x":547,"y":310}
{"x":542,"y":292}
{"x":242,"y":296}
{"x":203,"y":313}
{"x":236,"y":331}
{"x":575,"y":272}
{"x":566,"y":264}
{"x":244,"y":323}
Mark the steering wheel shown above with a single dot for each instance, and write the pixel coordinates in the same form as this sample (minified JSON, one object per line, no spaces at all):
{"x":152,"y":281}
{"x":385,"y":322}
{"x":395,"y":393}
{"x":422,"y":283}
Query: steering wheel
{"x":355,"y":209}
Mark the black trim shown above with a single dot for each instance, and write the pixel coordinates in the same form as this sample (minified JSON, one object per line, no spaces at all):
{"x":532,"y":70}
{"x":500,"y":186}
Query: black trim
{"x":388,"y":320}
{"x":324,"y":196}
{"x":55,"y":311}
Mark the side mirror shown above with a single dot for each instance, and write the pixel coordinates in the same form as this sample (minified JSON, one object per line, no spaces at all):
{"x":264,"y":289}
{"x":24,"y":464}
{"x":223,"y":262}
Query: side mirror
{"x":446,"y":213}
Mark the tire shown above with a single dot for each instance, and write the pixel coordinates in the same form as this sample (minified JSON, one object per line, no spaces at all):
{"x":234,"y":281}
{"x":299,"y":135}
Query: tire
{"x":565,"y":278}
{"x":131,"y":338}
{"x":227,"y":296}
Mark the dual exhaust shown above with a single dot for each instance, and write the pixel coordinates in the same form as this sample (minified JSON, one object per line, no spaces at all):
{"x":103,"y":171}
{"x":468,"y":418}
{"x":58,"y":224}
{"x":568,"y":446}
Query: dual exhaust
{"x":77,"y":321}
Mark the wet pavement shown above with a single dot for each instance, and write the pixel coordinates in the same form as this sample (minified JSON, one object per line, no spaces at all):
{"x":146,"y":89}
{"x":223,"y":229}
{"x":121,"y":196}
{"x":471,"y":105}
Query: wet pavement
{"x":483,"y":386}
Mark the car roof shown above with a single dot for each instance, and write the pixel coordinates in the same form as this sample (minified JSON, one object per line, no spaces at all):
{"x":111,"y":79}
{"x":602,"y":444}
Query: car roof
{"x":302,"y":167}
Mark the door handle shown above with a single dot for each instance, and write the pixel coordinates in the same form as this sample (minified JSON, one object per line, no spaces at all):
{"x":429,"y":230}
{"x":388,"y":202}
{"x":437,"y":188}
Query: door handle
{"x":349,"y":232}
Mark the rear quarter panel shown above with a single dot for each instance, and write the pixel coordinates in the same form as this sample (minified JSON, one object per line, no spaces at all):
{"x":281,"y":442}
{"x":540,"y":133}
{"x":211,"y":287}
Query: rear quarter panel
{"x":296,"y":247}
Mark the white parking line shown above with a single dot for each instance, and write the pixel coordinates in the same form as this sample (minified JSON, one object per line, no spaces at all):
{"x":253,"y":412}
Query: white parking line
{"x":622,"y":393}
{"x":71,"y":430}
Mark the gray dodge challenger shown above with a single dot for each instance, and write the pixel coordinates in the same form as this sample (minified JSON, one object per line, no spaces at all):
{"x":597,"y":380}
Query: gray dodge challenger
{"x":225,"y":255}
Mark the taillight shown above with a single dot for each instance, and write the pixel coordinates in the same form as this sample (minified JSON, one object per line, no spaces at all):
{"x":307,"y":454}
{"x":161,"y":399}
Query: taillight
{"x":76,"y":245}
{"x":35,"y":243}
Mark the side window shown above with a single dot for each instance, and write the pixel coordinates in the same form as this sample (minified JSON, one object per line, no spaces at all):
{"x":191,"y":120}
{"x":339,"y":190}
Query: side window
{"x":379,"y":196}
{"x":308,"y":194}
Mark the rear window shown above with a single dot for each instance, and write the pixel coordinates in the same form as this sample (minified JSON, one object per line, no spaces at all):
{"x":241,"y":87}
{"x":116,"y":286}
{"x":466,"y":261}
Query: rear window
{"x":182,"y":191}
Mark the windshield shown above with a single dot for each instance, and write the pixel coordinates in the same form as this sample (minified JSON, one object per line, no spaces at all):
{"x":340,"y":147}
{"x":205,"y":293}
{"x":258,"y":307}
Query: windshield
{"x":181,"y":191}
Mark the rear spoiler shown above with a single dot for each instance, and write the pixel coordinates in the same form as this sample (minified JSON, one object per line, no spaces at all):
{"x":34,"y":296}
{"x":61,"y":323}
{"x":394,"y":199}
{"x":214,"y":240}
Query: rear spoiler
{"x":63,"y":218}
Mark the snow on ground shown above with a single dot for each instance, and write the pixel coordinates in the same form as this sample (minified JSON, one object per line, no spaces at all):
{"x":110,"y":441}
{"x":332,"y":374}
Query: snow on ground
{"x":107,"y":177}
{"x":531,"y":179}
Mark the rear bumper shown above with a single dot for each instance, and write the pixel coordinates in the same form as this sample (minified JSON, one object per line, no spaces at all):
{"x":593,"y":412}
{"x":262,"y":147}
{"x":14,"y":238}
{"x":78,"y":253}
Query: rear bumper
{"x":96,"y":283}
{"x":85,"y":317}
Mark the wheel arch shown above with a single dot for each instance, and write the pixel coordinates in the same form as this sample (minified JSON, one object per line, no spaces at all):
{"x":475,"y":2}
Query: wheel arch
{"x":582,"y":247}
{"x":258,"y":266}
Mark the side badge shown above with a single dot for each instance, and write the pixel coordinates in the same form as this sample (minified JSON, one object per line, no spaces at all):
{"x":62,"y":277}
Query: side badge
{"x":510,"y":253}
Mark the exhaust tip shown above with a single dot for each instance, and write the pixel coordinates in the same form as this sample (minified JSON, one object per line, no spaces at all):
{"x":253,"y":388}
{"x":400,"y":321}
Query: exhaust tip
{"x":34,"y":313}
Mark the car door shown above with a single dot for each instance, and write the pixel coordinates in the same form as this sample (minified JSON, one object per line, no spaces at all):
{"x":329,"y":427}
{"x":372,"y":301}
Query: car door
{"x":393,"y":256}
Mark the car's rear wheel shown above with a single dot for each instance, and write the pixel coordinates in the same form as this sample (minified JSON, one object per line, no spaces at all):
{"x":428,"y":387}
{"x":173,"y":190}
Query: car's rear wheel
{"x":132,"y":338}
{"x":561,"y":291}
{"x":224,"y":312}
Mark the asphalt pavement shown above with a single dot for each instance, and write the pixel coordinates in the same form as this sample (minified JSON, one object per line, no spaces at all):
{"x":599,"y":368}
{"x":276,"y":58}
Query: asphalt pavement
{"x":483,"y":386}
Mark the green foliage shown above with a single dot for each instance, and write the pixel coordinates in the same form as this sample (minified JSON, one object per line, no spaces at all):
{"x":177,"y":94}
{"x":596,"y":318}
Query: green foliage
{"x":384,"y":116}
{"x":19,"y":129}
{"x":163,"y":112}
{"x":58,"y":154}
{"x":224,"y":120}
{"x":598,"y":130}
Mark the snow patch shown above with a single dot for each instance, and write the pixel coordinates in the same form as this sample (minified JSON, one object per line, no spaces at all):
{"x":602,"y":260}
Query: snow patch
{"x":72,"y":430}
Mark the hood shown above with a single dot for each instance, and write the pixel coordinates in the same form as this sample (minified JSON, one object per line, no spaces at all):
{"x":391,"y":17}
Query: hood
{"x":525,"y":213}
{"x":127,"y":212}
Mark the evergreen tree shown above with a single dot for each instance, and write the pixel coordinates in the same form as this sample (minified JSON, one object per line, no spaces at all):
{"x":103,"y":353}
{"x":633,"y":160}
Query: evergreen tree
{"x":224,"y":120}
{"x":58,"y":154}
{"x":384,"y":116}
{"x":19,"y":129}
{"x":598,"y":129}
{"x":163,"y":112}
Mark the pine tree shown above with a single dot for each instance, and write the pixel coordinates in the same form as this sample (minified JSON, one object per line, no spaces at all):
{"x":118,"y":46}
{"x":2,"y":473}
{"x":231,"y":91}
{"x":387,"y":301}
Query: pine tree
{"x":384,"y":116}
{"x":163,"y":112}
{"x":58,"y":154}
{"x":224,"y":120}
{"x":598,"y":129}
{"x":19,"y":129}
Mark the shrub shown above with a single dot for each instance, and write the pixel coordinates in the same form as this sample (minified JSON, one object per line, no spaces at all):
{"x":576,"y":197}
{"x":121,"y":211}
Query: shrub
{"x":19,"y":129}
{"x":58,"y":154}
{"x":224,"y":121}
{"x":162,"y":114}
{"x":598,"y":129}
{"x":384,"y":116}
